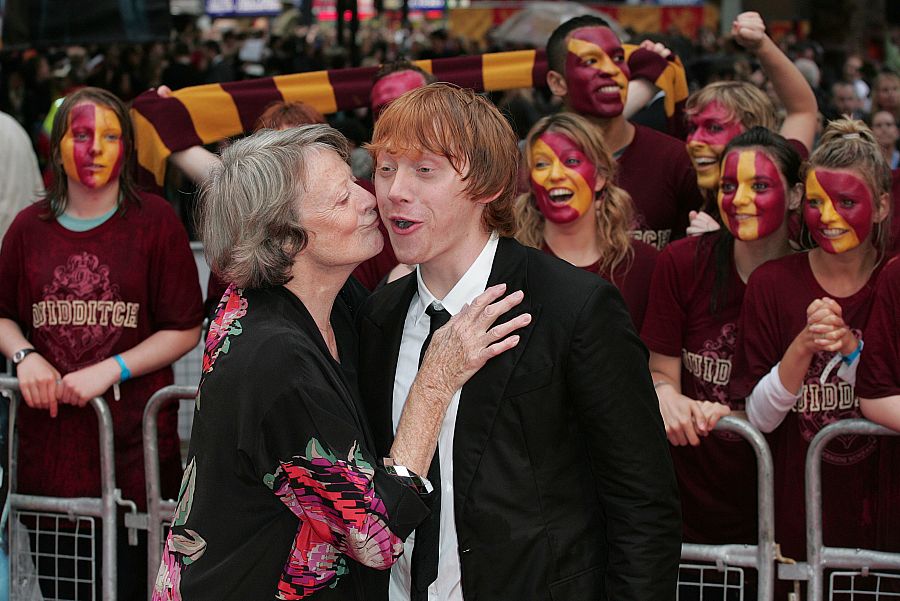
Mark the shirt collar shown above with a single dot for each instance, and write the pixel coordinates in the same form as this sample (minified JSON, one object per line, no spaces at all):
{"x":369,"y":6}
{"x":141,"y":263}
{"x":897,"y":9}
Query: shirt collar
{"x":469,"y":286}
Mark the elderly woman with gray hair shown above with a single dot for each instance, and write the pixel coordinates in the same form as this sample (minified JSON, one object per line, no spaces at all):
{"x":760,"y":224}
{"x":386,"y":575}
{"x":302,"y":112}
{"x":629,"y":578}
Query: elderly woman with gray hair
{"x":281,"y":497}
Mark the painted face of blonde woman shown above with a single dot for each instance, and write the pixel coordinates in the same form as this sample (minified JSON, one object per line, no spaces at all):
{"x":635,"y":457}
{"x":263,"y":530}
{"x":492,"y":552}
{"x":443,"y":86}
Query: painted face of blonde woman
{"x":563,"y":179}
{"x":838,"y":209}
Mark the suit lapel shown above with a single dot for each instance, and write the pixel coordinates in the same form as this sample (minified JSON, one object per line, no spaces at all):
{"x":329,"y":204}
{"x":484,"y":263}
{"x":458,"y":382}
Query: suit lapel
{"x":382,"y":332}
{"x":481,"y":396}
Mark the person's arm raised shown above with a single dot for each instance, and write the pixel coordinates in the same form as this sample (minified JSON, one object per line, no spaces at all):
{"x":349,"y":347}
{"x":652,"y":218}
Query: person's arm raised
{"x":793,"y":90}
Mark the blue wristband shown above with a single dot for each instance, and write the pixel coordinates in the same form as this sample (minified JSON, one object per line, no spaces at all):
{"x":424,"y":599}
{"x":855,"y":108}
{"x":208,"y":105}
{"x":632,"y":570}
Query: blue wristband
{"x":849,"y":359}
{"x":124,"y":372}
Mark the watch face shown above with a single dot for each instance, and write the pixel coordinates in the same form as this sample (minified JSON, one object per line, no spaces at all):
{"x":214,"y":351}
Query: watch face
{"x":18,"y":356}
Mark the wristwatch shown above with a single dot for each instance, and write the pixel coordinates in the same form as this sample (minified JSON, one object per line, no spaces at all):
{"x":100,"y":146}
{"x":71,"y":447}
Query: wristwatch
{"x":20,"y":355}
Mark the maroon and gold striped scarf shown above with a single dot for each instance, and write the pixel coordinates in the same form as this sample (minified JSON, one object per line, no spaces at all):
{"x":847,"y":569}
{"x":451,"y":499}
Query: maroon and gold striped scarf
{"x":209,"y":113}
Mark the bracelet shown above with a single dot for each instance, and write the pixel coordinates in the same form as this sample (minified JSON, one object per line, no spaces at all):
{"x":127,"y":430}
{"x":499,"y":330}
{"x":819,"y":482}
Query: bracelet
{"x":124,"y":372}
{"x":849,"y":359}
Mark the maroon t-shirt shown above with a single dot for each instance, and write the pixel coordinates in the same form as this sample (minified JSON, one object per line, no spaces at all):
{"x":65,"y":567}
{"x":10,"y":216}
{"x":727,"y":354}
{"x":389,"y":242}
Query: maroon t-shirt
{"x":718,"y":478}
{"x":656,"y":170}
{"x":894,"y":241}
{"x":774,"y":312}
{"x":879,"y":368}
{"x":79,"y":298}
{"x":632,"y":278}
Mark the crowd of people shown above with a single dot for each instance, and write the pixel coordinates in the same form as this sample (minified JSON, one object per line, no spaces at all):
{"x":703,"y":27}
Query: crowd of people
{"x":450,"y":390}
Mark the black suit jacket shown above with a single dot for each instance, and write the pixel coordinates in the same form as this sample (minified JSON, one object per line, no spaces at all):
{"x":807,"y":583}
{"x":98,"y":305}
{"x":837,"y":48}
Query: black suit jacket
{"x":563,"y":482}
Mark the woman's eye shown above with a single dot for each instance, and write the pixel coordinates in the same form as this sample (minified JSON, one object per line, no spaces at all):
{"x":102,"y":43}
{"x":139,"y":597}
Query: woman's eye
{"x":760,"y":187}
{"x":541,"y":164}
{"x":573,"y":162}
{"x":813,"y":202}
{"x":425,"y":170}
{"x":589,"y":61}
{"x":715,"y":128}
{"x":728,"y":187}
{"x":847,"y":203}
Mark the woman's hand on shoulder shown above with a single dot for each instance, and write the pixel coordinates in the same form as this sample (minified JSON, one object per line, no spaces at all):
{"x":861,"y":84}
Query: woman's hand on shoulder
{"x":39,"y":383}
{"x":470,"y":339}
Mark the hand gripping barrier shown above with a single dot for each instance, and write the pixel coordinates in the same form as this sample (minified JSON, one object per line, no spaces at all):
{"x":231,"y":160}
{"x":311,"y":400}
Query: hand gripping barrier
{"x":103,"y":507}
{"x":762,"y":555}
{"x":819,"y":557}
{"x":159,"y":510}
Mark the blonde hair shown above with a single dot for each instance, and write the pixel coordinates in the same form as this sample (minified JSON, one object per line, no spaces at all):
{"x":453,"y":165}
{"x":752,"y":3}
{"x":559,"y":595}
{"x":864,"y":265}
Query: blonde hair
{"x":468,"y":131}
{"x":850,"y":144}
{"x":746,"y":103}
{"x":614,"y":213}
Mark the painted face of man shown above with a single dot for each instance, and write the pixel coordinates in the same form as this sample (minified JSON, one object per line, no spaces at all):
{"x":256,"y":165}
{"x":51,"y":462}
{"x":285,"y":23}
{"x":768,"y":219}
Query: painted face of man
{"x":751,"y":195}
{"x":838,"y":210}
{"x":596,"y":73}
{"x":91,"y":148}
{"x":563,"y":179}
{"x":709,"y":131}
{"x":389,"y":88}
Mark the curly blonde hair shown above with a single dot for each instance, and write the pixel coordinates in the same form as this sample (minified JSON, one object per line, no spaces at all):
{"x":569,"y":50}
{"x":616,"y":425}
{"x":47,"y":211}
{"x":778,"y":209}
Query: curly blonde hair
{"x":614,"y":212}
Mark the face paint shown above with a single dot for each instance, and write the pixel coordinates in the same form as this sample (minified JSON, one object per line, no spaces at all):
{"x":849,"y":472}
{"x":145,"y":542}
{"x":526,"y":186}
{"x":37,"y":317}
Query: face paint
{"x":838,"y":209}
{"x":563,"y":179}
{"x":596,"y":73}
{"x":751,"y":195}
{"x":389,"y":88}
{"x":710,"y":130}
{"x":91,"y":148}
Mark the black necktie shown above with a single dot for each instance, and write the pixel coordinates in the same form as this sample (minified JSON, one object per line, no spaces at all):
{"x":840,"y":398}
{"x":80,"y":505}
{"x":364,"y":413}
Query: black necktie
{"x":424,"y":567}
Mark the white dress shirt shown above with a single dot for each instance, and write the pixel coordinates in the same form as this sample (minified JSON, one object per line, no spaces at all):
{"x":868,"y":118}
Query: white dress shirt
{"x":448,"y":585}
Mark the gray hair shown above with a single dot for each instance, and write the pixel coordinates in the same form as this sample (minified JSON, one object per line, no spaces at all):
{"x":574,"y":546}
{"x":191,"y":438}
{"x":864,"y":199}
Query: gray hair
{"x":248,"y":217}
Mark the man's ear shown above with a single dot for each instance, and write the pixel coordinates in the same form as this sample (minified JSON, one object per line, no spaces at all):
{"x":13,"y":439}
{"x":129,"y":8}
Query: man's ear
{"x":489,"y":199}
{"x":556,"y":81}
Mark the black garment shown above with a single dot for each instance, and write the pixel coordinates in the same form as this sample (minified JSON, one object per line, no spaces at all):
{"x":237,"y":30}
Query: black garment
{"x":563,"y":484}
{"x":281,"y":482}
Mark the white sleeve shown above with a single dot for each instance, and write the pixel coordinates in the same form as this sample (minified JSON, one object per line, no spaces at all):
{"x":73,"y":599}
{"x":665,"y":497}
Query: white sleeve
{"x":770,"y":401}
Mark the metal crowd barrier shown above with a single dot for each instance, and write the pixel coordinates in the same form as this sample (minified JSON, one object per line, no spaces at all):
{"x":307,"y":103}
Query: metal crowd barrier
{"x":760,"y":556}
{"x":159,"y":510}
{"x":40,"y":507}
{"x":818,"y":557}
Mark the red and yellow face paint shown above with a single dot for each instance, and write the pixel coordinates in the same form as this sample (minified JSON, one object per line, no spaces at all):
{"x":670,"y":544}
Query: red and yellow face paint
{"x":752,"y":198}
{"x":390,"y":87}
{"x":838,"y":209}
{"x":709,"y":131}
{"x":91,"y":148}
{"x":563,"y":179}
{"x":596,"y":73}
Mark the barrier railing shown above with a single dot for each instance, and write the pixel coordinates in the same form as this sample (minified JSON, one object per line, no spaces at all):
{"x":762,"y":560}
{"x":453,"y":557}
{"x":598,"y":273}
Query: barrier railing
{"x":103,"y":507}
{"x":818,"y":557}
{"x":760,"y":556}
{"x":159,"y":510}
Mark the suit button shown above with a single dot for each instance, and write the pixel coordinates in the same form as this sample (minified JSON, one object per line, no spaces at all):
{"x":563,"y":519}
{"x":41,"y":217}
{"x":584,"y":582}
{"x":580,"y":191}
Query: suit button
{"x":466,"y":550}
